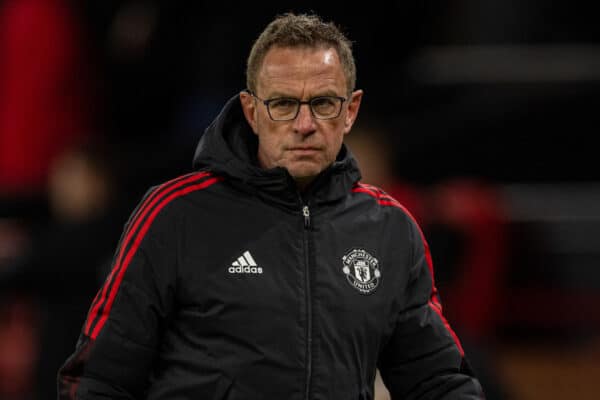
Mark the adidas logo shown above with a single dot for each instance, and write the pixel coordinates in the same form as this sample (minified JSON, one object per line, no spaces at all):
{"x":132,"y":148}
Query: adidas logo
{"x":245,"y":265}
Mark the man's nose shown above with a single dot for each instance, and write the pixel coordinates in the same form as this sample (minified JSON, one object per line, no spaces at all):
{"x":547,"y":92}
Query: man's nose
{"x":305,"y":121}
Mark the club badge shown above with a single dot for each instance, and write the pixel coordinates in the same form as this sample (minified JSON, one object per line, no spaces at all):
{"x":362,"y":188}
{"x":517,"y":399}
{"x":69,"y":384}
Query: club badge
{"x":361,"y":270}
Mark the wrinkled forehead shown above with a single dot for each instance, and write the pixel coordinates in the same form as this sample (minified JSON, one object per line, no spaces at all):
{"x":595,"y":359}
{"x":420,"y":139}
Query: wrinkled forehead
{"x":302,"y":65}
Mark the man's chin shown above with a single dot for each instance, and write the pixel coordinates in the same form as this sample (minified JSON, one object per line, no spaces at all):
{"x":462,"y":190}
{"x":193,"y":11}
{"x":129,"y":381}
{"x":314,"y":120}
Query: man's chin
{"x":303,"y":176}
{"x":305,"y":168}
{"x":304,"y":173}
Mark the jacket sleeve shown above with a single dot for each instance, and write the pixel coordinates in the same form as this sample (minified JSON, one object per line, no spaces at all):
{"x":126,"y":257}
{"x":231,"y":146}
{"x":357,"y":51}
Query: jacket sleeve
{"x":424,"y":358}
{"x":118,"y":343}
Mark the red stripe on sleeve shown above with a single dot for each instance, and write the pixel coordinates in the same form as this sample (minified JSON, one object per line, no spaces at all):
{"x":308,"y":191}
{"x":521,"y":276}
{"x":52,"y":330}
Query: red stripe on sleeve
{"x":386,"y":200}
{"x":141,"y":213}
{"x":437,"y":309}
{"x":138,"y":239}
{"x":434,"y":302}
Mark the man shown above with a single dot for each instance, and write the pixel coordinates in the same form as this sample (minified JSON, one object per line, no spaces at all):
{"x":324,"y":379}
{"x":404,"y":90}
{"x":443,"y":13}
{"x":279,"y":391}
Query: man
{"x":272,"y":273}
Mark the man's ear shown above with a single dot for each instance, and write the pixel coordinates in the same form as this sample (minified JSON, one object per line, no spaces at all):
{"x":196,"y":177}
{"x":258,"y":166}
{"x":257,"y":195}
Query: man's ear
{"x":249,"y":108}
{"x":352,"y":113}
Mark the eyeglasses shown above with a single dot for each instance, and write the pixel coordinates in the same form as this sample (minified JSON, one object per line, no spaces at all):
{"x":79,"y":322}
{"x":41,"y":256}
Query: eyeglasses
{"x":287,"y":108}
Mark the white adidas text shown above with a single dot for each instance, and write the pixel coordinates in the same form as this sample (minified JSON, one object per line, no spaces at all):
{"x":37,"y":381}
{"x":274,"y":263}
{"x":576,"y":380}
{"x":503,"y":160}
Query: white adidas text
{"x":245,"y":264}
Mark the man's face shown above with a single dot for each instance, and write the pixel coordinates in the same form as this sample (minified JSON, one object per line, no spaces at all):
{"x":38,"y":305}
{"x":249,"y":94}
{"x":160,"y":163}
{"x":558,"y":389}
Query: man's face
{"x":304,"y":146}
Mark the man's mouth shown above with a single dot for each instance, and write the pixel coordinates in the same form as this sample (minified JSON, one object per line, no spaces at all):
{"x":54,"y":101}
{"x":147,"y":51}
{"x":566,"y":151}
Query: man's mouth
{"x":304,"y":149}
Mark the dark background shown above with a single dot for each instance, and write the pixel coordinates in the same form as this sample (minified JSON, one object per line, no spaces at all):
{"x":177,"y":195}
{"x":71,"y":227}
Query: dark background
{"x":488,"y":110}
{"x":504,"y":90}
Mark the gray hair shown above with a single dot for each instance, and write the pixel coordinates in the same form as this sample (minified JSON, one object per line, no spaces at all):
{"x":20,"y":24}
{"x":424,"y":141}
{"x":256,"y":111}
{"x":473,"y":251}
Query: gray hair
{"x":300,"y":30}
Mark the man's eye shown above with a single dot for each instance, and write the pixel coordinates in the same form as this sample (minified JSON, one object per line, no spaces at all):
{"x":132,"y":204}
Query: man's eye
{"x":283,"y":103}
{"x":321,"y":102}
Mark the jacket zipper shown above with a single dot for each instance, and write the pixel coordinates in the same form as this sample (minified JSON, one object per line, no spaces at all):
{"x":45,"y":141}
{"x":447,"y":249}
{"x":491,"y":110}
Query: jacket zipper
{"x":306,"y":215}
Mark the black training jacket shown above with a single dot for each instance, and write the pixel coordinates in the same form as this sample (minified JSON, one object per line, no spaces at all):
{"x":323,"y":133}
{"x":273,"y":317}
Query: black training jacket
{"x":230,"y":284}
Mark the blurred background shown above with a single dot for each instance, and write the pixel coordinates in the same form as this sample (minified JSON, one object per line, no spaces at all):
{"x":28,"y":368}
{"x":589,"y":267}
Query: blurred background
{"x":478,"y":116}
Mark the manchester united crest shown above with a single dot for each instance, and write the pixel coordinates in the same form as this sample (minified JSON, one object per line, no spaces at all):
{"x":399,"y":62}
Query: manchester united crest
{"x":361,"y":270}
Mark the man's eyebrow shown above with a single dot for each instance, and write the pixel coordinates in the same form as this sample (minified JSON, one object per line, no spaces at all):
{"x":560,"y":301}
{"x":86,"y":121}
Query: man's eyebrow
{"x":327,"y":92}
{"x":277,"y":94}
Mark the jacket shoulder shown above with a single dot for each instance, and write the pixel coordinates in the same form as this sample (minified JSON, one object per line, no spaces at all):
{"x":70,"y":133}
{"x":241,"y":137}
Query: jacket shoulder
{"x":172,"y":191}
{"x":380,"y":198}
{"x":163,"y":201}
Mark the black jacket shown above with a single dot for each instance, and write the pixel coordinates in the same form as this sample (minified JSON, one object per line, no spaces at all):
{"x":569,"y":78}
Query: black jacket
{"x":230,"y":284}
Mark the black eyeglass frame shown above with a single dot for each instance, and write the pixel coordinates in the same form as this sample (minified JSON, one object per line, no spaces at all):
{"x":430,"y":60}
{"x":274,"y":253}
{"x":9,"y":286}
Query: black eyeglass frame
{"x":300,"y":102}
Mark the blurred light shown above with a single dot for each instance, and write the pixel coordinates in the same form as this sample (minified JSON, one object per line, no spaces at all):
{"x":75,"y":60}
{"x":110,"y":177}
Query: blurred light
{"x":442,"y":65}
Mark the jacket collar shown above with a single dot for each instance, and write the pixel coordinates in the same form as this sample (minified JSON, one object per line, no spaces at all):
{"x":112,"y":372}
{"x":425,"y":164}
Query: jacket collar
{"x":229,"y":147}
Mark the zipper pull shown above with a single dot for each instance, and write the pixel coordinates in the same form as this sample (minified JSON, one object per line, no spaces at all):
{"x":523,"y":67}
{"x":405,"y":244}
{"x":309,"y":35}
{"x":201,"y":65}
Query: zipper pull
{"x":306,"y":213}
